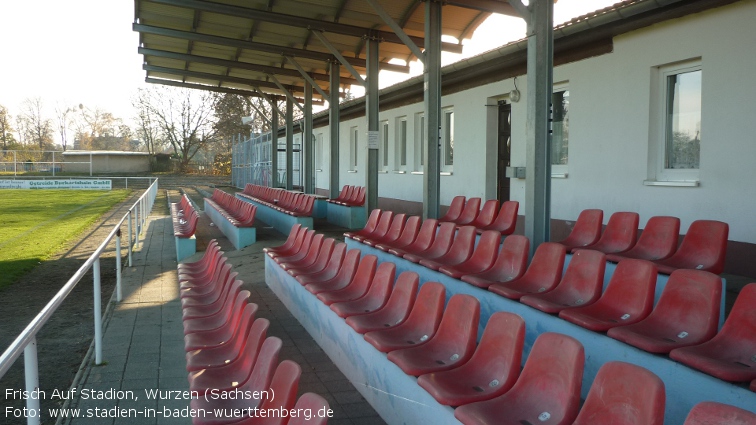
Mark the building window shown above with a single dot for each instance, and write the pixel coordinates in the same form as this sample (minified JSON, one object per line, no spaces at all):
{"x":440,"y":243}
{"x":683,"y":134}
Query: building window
{"x":676,"y":122}
{"x":419,"y":142}
{"x":353,"y":148}
{"x":448,"y":138}
{"x":319,"y":152}
{"x":401,"y":144}
{"x":384,"y":150}
{"x":560,"y":129}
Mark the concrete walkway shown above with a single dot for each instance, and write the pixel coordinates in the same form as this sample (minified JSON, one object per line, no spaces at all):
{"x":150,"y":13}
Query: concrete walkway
{"x":143,"y":340}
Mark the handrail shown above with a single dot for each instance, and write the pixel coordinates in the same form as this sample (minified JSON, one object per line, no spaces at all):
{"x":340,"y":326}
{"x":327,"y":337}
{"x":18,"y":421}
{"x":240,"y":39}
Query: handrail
{"x":26,"y":341}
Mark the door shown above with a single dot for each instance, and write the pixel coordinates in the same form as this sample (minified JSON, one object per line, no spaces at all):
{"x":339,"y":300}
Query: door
{"x":505,"y":149}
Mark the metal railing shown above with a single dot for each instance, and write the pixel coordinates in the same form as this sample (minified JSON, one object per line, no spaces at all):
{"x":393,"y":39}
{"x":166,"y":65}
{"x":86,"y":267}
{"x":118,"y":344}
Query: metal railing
{"x":26,"y":342}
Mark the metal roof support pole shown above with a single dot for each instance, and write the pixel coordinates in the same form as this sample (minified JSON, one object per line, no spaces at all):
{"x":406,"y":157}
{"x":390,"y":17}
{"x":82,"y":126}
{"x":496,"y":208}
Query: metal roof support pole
{"x":286,"y":92}
{"x":396,"y":28}
{"x":335,"y":52}
{"x":537,"y":130}
{"x":274,"y":144}
{"x":371,"y":112}
{"x":307,"y":77}
{"x":307,"y":142}
{"x":333,"y":125}
{"x":432,"y":101}
{"x":289,"y":144}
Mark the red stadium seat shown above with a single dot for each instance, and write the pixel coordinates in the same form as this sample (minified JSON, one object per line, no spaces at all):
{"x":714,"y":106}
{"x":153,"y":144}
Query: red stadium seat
{"x":308,"y":252}
{"x":232,"y":310}
{"x":249,"y":335}
{"x":321,"y":261}
{"x":300,"y":248}
{"x":228,"y":374}
{"x":657,"y":241}
{"x":686,"y":314}
{"x":703,"y":248}
{"x":623,"y":393}
{"x":439,"y":247}
{"x":392,"y":234}
{"x":731,"y":354}
{"x":357,"y":287}
{"x":310,"y":402}
{"x":376,"y":296}
{"x":330,"y":270}
{"x":202,"y":277}
{"x":310,"y":256}
{"x":407,"y":236}
{"x":712,"y":413}
{"x":587,"y":230}
{"x":342,"y":277}
{"x":202,"y":263}
{"x":460,"y":250}
{"x":753,"y":385}
{"x":481,"y":259}
{"x":228,"y":293}
{"x":548,"y":388}
{"x":259,"y":380}
{"x":542,"y":275}
{"x":420,"y":326}
{"x":451,"y":346}
{"x":202,"y":340}
{"x":296,"y":235}
{"x":511,"y":263}
{"x":212,"y":290}
{"x":370,"y":225}
{"x":487,"y":214}
{"x":628,"y":299}
{"x":421,"y":242}
{"x":455,"y":209}
{"x":469,"y":213}
{"x":380,"y":230}
{"x":619,"y":235}
{"x":580,"y":285}
{"x":492,"y":370}
{"x":284,"y":386}
{"x":396,"y":309}
{"x":505,"y":220}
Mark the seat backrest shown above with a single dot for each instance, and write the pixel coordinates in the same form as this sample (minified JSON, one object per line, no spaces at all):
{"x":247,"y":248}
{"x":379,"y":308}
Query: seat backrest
{"x":741,"y":323}
{"x":659,"y":239}
{"x":487,"y":214}
{"x":587,"y":228}
{"x":506,"y":219}
{"x":426,"y":235}
{"x":704,"y":246}
{"x":620,"y":233}
{"x":459,"y":326}
{"x":462,"y":246}
{"x":349,"y":192}
{"x":442,"y":241}
{"x":712,"y":413}
{"x":690,"y":303}
{"x":409,"y":231}
{"x":455,"y":209}
{"x":313,"y":403}
{"x":584,"y":277}
{"x":336,"y":258}
{"x":324,"y":254}
{"x":485,"y":253}
{"x":283,"y":389}
{"x":395,"y":230}
{"x":500,"y":347}
{"x":252,"y":343}
{"x":306,"y":242}
{"x":403,"y":295}
{"x":383,"y":225}
{"x":470,"y":212}
{"x":363,"y":277}
{"x":512,"y":260}
{"x":547,"y":264}
{"x":265,"y":365}
{"x":372,"y":221}
{"x":631,"y":289}
{"x":428,"y":309}
{"x":623,"y":393}
{"x":359,"y":196}
{"x":380,"y":287}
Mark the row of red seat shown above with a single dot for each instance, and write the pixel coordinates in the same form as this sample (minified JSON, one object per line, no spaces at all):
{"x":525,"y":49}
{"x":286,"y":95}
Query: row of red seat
{"x":236,"y":211}
{"x":703,"y":247}
{"x":350,"y":196}
{"x":577,"y":295}
{"x":501,"y":218}
{"x":291,"y":203}
{"x":439,"y":345}
{"x":227,"y":350}
{"x":184,"y":217}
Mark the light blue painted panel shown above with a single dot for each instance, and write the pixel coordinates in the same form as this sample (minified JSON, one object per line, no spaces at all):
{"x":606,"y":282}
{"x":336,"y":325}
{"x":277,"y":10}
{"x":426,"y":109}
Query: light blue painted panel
{"x":239,"y":236}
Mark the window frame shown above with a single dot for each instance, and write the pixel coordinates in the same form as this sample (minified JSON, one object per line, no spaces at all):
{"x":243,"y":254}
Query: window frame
{"x":419,"y":145}
{"x":353,"y":144}
{"x":447,"y":139}
{"x":560,"y":170}
{"x":383,"y":150}
{"x":400,"y":151}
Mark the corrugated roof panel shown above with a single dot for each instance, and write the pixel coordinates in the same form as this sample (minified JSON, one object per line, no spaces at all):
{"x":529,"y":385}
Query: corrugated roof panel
{"x":160,"y":42}
{"x":210,"y":69}
{"x":147,"y":8}
{"x":165,"y":62}
{"x":233,"y":24}
{"x":213,"y":50}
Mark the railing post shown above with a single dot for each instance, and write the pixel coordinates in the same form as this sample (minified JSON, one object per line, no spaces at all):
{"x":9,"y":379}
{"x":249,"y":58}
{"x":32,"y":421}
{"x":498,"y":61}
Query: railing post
{"x":90,"y":165}
{"x":119,"y":292}
{"x":31,"y":374}
{"x":136,"y":225}
{"x":97,"y":311}
{"x":131,"y":238}
{"x":127,"y":182}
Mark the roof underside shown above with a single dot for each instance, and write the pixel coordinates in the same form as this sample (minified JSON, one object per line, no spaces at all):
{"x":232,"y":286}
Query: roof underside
{"x":245,"y":45}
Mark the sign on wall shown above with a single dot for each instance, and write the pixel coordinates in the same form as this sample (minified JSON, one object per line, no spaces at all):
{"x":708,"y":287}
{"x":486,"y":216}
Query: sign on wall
{"x":56,"y":184}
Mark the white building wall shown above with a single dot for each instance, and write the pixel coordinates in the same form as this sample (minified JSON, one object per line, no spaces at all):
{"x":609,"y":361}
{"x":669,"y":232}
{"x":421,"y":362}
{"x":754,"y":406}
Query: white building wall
{"x":610,"y":101}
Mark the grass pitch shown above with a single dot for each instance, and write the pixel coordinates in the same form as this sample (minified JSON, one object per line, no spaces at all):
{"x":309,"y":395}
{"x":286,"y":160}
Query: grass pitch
{"x":35,"y":223}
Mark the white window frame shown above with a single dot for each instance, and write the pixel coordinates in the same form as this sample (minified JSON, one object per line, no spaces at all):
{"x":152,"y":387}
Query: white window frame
{"x":400,"y":147}
{"x":658,"y":173}
{"x":383,"y":147}
{"x":560,"y":170}
{"x":419,"y":144}
{"x":447,"y":140}
{"x":319,"y":154}
{"x":353,"y":144}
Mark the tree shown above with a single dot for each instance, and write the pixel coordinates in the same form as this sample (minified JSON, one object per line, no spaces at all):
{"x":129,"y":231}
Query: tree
{"x":147,"y":129}
{"x":65,"y":117}
{"x":183,"y":116}
{"x":32,"y":126}
{"x":6,"y":130}
{"x":229,"y":110}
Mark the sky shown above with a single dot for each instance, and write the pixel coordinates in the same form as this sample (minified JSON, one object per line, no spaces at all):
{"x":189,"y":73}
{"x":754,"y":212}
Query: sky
{"x":84,"y":52}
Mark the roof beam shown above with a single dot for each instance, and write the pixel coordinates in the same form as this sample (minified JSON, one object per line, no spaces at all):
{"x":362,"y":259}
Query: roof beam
{"x":235,"y":64}
{"x":260,"y":47}
{"x":222,"y":78}
{"x":286,"y":92}
{"x":522,"y":10}
{"x":397,"y":29}
{"x":306,"y":76}
{"x":339,"y":56}
{"x":302,"y":22}
{"x":492,"y":6}
{"x":201,"y":87}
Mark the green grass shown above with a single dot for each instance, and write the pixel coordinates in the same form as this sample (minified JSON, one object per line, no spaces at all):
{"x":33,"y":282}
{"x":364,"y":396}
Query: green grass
{"x":36,"y":223}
